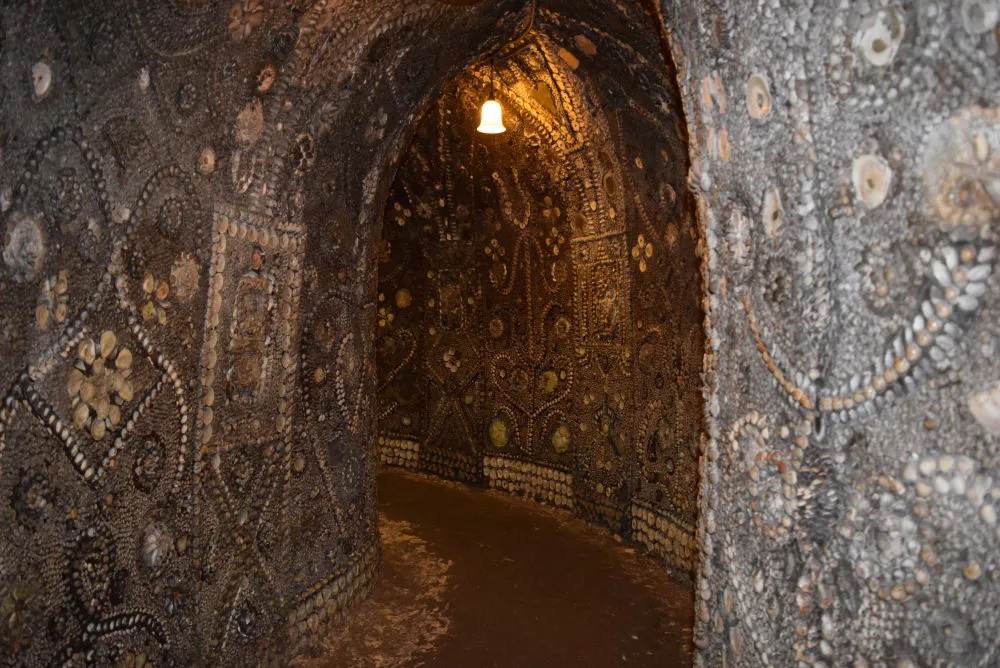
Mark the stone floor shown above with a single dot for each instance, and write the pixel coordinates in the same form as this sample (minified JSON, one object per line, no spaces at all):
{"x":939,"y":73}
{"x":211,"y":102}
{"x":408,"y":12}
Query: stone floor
{"x":477,"y":578}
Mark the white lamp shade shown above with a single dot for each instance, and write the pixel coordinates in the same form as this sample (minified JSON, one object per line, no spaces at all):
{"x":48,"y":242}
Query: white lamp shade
{"x":491,"y":122}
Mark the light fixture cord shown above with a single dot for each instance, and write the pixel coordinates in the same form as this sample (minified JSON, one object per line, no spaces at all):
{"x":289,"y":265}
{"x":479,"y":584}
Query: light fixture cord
{"x":531,"y":24}
{"x":499,"y":47}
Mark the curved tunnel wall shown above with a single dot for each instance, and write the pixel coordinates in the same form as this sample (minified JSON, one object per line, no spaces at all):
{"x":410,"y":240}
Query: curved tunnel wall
{"x":539,"y":321}
{"x":845,"y":158}
{"x":190,"y":197}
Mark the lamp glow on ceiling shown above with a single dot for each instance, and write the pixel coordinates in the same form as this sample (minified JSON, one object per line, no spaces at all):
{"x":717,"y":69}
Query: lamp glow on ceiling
{"x":491,"y":116}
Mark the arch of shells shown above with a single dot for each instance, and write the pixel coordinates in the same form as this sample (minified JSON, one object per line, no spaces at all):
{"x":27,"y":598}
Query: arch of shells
{"x":192,"y":194}
{"x":539,"y":320}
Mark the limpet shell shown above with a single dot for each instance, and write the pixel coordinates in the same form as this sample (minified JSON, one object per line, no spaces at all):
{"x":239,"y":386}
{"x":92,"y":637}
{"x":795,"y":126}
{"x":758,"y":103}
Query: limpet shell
{"x":771,"y":212}
{"x":879,"y":37}
{"x":872,"y":179}
{"x":758,"y":97}
{"x":980,"y":16}
{"x":41,"y":79}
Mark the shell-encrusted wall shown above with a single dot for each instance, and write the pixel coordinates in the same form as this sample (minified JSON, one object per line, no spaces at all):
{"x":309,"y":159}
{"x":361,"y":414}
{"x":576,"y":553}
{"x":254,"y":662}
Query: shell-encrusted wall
{"x":190,"y":195}
{"x":845,"y":158}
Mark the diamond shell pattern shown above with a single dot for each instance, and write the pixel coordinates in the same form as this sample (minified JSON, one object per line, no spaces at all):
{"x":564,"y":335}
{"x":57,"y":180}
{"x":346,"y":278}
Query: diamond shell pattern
{"x":91,"y":389}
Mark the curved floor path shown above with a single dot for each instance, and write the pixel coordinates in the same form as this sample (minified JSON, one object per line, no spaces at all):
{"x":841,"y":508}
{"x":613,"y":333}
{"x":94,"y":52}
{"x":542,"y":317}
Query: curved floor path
{"x":478,"y":578}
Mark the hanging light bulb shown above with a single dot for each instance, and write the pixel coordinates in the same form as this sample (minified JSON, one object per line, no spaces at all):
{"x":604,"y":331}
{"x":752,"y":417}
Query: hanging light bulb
{"x":491,"y":119}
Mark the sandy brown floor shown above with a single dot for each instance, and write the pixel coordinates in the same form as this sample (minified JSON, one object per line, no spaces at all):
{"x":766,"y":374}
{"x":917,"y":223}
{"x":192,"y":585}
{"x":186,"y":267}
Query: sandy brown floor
{"x":476,"y":578}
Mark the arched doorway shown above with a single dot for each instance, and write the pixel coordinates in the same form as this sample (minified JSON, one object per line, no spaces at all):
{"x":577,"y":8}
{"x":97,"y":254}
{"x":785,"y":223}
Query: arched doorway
{"x":192,"y":194}
{"x":538,"y":314}
{"x":614,"y":440}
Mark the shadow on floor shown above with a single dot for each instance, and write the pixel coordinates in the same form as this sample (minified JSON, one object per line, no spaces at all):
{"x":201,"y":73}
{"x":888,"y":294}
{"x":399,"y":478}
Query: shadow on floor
{"x":477,"y":578}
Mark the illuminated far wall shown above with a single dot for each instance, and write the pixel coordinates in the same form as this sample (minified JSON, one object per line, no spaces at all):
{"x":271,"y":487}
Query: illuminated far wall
{"x":538,"y":317}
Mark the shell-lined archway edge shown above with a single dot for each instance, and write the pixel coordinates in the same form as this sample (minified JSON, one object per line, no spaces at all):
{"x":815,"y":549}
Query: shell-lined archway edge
{"x":539,"y":321}
{"x":743,"y":311}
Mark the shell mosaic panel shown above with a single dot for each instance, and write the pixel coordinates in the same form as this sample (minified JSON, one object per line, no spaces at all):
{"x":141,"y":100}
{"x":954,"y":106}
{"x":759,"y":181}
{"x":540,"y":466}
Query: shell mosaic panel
{"x":187,"y":457}
{"x":844,"y":159}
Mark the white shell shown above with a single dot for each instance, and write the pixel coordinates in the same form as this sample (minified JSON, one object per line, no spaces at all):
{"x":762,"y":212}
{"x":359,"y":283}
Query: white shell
{"x":985,"y":407}
{"x":738,"y":239}
{"x":41,"y":79}
{"x":980,"y":16}
{"x":872,"y":178}
{"x":879,"y":37}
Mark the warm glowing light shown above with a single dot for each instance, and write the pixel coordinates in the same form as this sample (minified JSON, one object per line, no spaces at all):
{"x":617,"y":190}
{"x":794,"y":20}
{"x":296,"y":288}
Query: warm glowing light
{"x":491,"y":122}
